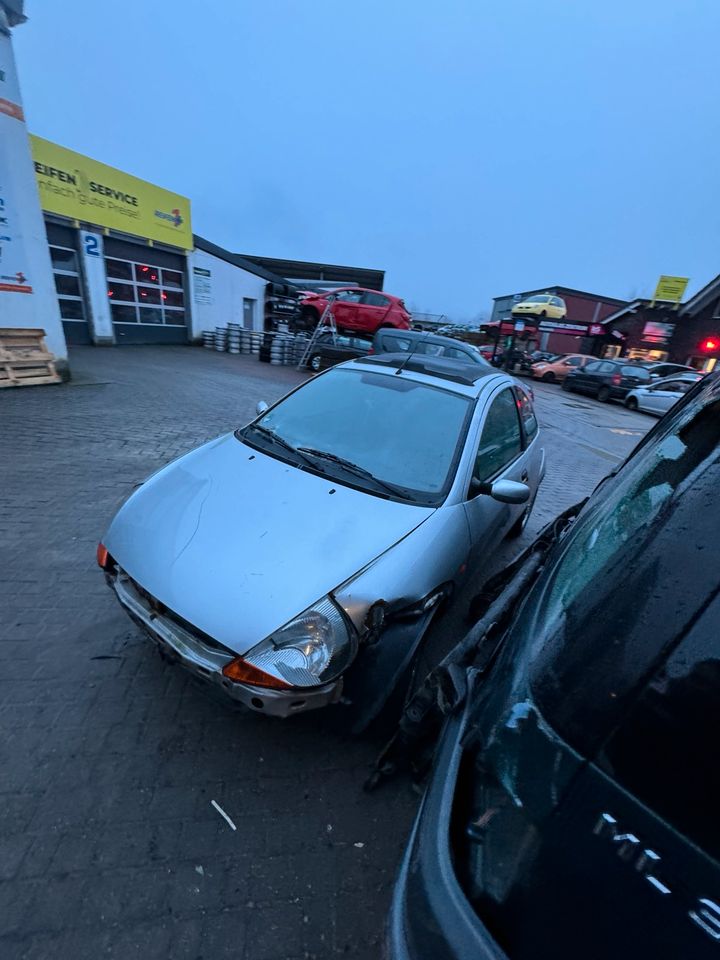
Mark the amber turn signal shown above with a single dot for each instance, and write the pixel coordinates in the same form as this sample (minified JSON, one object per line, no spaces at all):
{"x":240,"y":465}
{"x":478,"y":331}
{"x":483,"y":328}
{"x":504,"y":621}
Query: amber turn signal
{"x":243,"y":672}
{"x":102,"y":556}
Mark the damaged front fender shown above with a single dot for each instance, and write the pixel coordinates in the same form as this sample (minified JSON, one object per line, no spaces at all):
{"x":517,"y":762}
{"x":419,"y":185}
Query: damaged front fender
{"x":391,"y":603}
{"x":431,"y":556}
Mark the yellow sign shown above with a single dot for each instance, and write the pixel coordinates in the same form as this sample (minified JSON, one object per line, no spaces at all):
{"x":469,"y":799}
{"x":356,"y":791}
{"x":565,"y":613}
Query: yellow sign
{"x":671,"y":288}
{"x":75,"y":186}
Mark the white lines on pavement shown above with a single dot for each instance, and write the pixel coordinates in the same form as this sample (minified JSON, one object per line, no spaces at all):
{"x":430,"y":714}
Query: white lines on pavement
{"x":223,"y":814}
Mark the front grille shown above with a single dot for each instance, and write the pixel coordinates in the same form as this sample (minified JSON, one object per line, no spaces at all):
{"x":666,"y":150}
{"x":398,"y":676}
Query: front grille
{"x":168,"y":614}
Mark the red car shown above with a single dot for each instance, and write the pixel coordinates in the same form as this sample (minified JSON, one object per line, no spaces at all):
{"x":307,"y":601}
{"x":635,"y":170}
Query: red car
{"x":356,"y":309}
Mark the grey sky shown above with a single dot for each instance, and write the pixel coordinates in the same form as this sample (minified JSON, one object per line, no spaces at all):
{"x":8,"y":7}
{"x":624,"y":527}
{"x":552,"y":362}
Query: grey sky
{"x":472,"y":148}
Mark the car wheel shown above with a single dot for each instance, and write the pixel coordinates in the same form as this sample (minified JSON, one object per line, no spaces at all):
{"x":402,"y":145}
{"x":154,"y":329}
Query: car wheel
{"x":548,"y":377}
{"x":543,"y":313}
{"x":518,"y":528}
{"x":309,"y":319}
{"x":631,"y":403}
{"x":315,"y":362}
{"x":603,"y":394}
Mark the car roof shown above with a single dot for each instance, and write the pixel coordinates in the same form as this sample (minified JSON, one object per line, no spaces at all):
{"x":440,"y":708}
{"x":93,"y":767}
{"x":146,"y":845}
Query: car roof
{"x":467,"y":378}
{"x":327,"y":293}
{"x":418,"y":335}
{"x":686,"y":376}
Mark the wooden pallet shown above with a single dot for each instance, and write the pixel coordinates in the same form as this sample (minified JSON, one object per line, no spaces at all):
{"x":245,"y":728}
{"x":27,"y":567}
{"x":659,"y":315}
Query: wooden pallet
{"x":24,"y":359}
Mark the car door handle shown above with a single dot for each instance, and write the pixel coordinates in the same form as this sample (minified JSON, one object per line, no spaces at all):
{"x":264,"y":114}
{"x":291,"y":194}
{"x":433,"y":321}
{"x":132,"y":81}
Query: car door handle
{"x":524,"y":476}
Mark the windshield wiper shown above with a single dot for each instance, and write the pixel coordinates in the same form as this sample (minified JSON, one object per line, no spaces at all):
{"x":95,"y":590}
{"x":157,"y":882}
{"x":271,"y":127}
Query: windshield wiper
{"x":280,"y":441}
{"x":357,"y":470}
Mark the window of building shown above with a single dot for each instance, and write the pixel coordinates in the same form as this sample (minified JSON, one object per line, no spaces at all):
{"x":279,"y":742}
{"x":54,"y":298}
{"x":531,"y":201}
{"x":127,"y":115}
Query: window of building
{"x":145,"y":293}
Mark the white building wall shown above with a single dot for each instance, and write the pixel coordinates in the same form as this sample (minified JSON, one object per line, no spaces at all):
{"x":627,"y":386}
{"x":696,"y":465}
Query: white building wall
{"x":217,"y":297}
{"x":24,"y":254}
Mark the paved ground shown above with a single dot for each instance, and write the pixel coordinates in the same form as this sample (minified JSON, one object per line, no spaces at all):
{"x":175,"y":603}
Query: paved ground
{"x":109,"y":759}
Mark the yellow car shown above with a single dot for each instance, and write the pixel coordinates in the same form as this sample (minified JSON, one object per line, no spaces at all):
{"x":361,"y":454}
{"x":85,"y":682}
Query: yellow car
{"x":543,"y":305}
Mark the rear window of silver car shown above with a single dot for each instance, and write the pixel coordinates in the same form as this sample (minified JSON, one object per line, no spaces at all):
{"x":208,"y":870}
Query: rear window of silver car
{"x":404,"y":432}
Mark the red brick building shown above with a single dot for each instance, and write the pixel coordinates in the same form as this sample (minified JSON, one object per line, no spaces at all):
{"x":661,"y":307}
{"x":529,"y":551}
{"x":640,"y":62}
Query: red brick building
{"x":585,"y":311}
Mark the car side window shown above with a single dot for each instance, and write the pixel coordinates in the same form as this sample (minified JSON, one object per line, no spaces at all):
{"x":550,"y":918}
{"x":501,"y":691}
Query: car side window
{"x":349,"y":296}
{"x":372,"y":299}
{"x":666,"y":751}
{"x":501,"y":440}
{"x":593,"y":367}
{"x":454,"y":354}
{"x":556,"y":302}
{"x":636,"y":371}
{"x":392,"y":344}
{"x":605,"y":367}
{"x":574,"y":361}
{"x":527,"y":414}
{"x":600,"y":623}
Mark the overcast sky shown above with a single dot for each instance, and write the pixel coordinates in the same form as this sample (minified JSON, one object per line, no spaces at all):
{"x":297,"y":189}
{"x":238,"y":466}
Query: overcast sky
{"x":471,"y":148}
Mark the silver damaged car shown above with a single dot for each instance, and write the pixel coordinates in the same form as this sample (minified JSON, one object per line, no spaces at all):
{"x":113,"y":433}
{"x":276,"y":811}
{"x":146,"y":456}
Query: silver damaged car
{"x":300,"y":559}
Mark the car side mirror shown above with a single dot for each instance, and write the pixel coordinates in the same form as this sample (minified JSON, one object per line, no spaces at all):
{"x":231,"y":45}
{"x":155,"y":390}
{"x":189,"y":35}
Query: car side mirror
{"x":505,"y":491}
{"x":261,"y":407}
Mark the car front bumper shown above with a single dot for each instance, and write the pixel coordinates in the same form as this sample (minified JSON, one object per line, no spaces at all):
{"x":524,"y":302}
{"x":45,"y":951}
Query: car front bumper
{"x":206,"y":660}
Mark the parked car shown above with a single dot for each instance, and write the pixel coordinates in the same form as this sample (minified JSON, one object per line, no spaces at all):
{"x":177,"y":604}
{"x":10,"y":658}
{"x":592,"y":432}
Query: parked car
{"x":431,"y":344}
{"x":356,"y":310}
{"x":572,"y":809}
{"x":659,"y":396}
{"x":607,"y":379}
{"x":555,"y":371}
{"x":536,"y":356}
{"x":661,"y":370}
{"x":329,"y":350}
{"x":300,"y":559}
{"x":543,"y":305}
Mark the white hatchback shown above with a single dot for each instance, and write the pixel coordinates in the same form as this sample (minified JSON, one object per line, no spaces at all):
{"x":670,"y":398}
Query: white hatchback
{"x":659,"y":397}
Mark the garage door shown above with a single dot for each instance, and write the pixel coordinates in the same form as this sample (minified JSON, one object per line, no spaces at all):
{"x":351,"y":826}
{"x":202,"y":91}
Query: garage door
{"x":147,"y":296}
{"x":68,"y":282}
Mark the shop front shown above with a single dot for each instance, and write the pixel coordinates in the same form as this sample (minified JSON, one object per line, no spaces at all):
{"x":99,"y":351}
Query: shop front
{"x":119,"y":250}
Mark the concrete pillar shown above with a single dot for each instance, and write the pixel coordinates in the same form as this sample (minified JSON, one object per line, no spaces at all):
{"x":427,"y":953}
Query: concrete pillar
{"x":27,"y":286}
{"x":96,"y":287}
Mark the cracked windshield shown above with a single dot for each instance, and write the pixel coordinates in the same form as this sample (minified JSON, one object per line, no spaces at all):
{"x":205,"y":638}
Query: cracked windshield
{"x":359,"y":433}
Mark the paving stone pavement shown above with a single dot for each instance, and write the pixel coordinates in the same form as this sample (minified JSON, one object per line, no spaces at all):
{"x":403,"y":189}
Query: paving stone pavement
{"x":109,"y":758}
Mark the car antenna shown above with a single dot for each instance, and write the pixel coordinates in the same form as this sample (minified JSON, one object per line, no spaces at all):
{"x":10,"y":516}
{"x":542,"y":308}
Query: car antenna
{"x":410,"y":353}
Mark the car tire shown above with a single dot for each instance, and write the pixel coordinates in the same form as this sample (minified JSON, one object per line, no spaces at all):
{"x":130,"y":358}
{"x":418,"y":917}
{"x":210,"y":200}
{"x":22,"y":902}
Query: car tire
{"x":542,"y":314}
{"x":631,"y":403}
{"x":309,"y":319}
{"x":548,"y":377}
{"x":315,"y":362}
{"x":518,"y":528}
{"x":603,"y":394}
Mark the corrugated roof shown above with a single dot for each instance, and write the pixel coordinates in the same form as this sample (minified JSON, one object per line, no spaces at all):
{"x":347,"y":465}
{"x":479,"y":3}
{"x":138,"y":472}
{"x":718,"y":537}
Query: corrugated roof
{"x":709,"y":292}
{"x":569,"y":290}
{"x":332,"y":272}
{"x":237,"y":261}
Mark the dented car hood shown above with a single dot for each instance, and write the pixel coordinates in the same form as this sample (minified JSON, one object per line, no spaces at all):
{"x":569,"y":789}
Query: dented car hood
{"x":238,"y":542}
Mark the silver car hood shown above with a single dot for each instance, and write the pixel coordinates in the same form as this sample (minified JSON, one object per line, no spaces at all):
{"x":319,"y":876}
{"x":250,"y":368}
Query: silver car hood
{"x":238,"y":543}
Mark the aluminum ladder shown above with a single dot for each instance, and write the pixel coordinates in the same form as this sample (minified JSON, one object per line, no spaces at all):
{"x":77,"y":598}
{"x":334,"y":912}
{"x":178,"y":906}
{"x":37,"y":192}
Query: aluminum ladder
{"x":325,"y":323}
